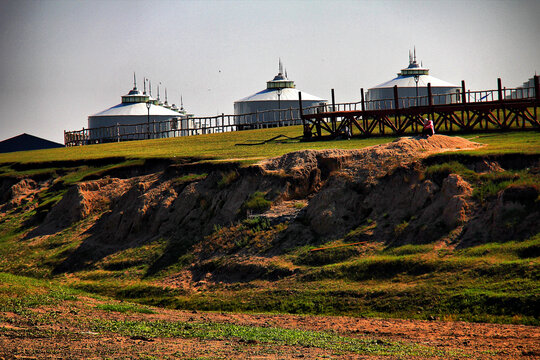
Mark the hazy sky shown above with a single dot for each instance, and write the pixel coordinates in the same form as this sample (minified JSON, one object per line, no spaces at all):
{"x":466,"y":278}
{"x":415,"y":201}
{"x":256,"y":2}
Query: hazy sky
{"x":61,"y":61}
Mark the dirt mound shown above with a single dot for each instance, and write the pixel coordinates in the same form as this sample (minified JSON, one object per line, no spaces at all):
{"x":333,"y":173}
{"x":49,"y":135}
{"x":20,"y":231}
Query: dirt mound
{"x":299,"y":162}
{"x":371,"y":161}
{"x":20,"y":194}
{"x":80,"y":201}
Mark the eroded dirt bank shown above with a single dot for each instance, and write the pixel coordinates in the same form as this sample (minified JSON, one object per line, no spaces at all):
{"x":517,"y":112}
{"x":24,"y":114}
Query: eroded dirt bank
{"x":321,"y":195}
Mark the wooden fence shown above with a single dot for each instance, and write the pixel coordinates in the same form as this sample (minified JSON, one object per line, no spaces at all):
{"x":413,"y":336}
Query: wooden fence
{"x":183,"y":126}
{"x":466,"y":110}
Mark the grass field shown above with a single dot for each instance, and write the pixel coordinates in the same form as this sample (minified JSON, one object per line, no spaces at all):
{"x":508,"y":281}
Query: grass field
{"x":38,"y":309}
{"x":225,"y":146}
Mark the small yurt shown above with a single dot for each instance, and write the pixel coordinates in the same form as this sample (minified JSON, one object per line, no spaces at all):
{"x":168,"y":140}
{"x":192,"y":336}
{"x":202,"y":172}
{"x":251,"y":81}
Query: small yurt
{"x":133,"y":111}
{"x":412,"y":85}
{"x":280,"y":94}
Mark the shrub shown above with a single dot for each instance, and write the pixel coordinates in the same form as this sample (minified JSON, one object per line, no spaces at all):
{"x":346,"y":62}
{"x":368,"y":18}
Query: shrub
{"x":299,"y":205}
{"x":257,"y":223}
{"x":400,"y":228}
{"x":437,"y":173}
{"x":327,"y":256}
{"x":227,"y":179}
{"x":257,"y":203}
{"x":189,"y":178}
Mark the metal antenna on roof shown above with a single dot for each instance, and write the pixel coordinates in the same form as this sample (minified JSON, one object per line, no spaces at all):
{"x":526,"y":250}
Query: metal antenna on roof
{"x":286,"y":76}
{"x":144,"y":84}
{"x":134,"y":81}
{"x":166,"y":96}
{"x":158,"y":91}
{"x":280,"y":67}
{"x":181,"y":103}
{"x":150,"y":86}
{"x":414,"y":53}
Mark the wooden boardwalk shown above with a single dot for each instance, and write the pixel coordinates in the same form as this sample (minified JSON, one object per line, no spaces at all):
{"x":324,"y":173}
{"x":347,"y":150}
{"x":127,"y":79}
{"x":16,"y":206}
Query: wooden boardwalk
{"x":462,"y":115}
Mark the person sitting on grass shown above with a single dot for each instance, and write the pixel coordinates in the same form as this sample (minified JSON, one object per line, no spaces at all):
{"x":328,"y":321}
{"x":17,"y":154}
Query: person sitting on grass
{"x":429,"y":128}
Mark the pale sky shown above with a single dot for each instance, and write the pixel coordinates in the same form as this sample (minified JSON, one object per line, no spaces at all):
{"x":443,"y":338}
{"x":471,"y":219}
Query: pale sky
{"x":61,"y":61}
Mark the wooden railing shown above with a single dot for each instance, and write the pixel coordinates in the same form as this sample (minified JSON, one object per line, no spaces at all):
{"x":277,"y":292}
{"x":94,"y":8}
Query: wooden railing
{"x":501,"y":109}
{"x":189,"y":126}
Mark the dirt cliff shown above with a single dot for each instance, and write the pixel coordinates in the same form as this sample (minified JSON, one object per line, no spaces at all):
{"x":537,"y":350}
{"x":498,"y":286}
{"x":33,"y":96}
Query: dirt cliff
{"x":378,"y":194}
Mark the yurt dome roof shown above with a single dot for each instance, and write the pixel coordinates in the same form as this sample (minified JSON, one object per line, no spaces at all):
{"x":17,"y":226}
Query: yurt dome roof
{"x":134,"y":104}
{"x":280,"y":88}
{"x":136,"y":109}
{"x":406,"y":78}
{"x":286,"y":94}
{"x":408,"y":81}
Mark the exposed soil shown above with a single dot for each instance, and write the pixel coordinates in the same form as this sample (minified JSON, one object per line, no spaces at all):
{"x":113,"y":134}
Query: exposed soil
{"x":67,"y":336}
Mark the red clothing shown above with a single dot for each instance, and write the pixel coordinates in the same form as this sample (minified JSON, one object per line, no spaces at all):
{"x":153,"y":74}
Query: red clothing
{"x":428,"y":126}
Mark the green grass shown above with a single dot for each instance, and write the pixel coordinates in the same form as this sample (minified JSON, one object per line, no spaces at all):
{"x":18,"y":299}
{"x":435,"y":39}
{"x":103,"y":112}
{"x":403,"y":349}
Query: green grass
{"x":227,"y":179}
{"x":18,"y":294}
{"x":189,"y":178}
{"x":257,"y":202}
{"x":496,"y":282}
{"x":270,"y":336}
{"x":224,"y":146}
{"x":488,"y":185}
{"x":519,"y":142}
{"x":210,"y":147}
{"x":124,"y":308}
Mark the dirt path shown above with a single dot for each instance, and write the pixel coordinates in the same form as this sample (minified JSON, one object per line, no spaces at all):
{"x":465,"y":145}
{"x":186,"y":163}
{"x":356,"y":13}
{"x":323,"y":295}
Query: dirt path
{"x":67,"y":335}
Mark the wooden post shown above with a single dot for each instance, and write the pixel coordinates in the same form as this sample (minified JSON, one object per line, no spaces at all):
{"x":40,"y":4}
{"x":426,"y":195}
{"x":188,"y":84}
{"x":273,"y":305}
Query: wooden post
{"x":537,"y":88}
{"x":301,"y":113}
{"x":430,"y":104}
{"x":333,"y":110}
{"x":364,"y":119}
{"x":396,"y":107}
{"x":536,"y":95}
{"x":463,"y":101}
{"x":222,"y":122}
{"x":501,"y":98}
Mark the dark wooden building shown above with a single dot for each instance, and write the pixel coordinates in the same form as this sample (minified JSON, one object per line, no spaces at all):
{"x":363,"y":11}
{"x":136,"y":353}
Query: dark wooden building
{"x":25,"y":142}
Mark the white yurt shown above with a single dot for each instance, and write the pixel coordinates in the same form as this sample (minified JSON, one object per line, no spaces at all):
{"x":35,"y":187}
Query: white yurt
{"x":134,"y":110}
{"x":280,"y":94}
{"x":412,"y":82}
